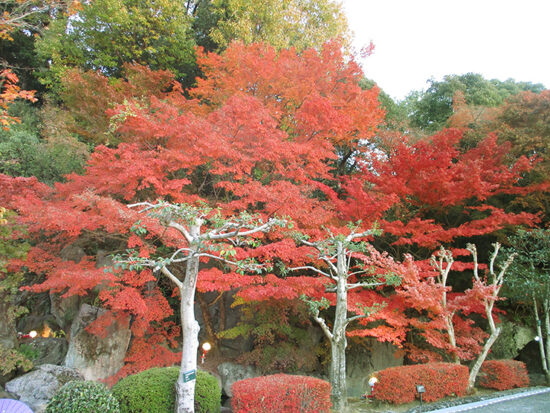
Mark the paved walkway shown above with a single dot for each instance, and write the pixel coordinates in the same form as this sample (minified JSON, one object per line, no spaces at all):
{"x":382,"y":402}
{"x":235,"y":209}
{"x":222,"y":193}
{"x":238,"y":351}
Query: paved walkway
{"x":535,"y":401}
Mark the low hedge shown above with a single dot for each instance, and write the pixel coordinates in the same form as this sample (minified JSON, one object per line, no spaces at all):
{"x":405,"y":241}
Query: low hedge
{"x":154,"y":391}
{"x":503,"y":374}
{"x":281,"y":393}
{"x":398,"y":384}
{"x":83,"y":397}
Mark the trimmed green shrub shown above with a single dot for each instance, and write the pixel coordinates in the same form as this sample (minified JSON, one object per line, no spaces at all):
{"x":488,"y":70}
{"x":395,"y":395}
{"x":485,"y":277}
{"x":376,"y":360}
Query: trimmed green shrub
{"x":83,"y":397}
{"x":154,"y":391}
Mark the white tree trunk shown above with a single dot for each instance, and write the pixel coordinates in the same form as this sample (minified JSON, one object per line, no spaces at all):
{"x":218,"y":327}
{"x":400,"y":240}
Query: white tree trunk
{"x":541,"y":338}
{"x":546,"y":337}
{"x":185,"y":390}
{"x":481,"y":358}
{"x":339,"y":342}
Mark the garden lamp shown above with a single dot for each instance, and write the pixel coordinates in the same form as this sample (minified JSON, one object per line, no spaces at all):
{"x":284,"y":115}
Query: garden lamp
{"x":206,"y":346}
{"x":420,"y":390}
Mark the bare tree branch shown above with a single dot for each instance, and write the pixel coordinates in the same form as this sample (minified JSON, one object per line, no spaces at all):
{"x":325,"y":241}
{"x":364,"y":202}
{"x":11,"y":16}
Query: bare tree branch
{"x":309,"y":267}
{"x":364,"y":284}
{"x":172,"y":277}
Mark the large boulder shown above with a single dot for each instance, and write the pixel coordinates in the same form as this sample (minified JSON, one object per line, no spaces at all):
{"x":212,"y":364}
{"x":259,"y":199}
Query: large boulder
{"x":511,"y":340}
{"x":39,"y":386}
{"x":364,"y":359}
{"x":96,"y":357}
{"x":50,"y":350}
{"x":64,"y":309}
{"x":232,"y":372}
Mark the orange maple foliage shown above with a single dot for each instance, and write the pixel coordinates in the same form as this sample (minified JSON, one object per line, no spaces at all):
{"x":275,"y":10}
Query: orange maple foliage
{"x":10,"y":92}
{"x":238,"y":154}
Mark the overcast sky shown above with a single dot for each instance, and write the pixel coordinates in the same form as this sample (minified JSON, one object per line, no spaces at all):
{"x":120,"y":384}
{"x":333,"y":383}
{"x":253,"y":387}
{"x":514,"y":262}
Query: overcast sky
{"x":419,"y":39}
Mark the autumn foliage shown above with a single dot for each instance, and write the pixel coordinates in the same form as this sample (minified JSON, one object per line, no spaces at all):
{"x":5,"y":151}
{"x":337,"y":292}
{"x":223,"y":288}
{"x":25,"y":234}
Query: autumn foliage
{"x":281,"y":393}
{"x":273,"y":133}
{"x":237,"y":151}
{"x":426,"y":183}
{"x":10,"y":91}
{"x":503,"y":374}
{"x":398,"y":384}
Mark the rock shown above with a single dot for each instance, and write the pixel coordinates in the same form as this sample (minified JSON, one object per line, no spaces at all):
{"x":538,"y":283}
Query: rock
{"x":362,"y":361}
{"x":39,"y":386}
{"x":64,"y":310}
{"x":72,"y":252}
{"x":8,"y":334}
{"x":511,"y":340}
{"x":232,"y":372}
{"x":103,"y":259}
{"x":6,"y":395}
{"x":96,"y":357}
{"x":51,"y":350}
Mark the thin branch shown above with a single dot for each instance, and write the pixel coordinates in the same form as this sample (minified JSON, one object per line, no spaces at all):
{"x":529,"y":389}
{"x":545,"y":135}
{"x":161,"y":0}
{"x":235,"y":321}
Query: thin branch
{"x":174,"y":279}
{"x":362,"y":271}
{"x":496,"y":245}
{"x":363,"y":284}
{"x":309,"y":267}
{"x":148,"y":206}
{"x":328,"y":260}
{"x":183,"y":231}
{"x":473,"y":250}
{"x":356,"y":317}
{"x":354,"y":235}
{"x":214,"y":235}
{"x":323,"y":325}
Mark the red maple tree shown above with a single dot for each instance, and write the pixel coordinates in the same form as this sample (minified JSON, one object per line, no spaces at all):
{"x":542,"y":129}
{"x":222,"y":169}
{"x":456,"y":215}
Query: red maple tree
{"x":235,"y":150}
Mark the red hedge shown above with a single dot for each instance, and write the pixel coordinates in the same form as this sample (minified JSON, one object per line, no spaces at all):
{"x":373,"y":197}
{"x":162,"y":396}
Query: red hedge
{"x":398,"y":384}
{"x":503,"y":374}
{"x":281,"y":393}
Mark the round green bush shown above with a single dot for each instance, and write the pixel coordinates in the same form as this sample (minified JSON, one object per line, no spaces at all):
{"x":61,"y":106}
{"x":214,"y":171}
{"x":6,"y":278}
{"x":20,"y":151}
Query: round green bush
{"x":83,"y":397}
{"x":154,"y":391}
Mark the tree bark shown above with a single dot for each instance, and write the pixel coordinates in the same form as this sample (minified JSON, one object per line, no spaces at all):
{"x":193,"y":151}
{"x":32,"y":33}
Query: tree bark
{"x":541,"y":339}
{"x":477,"y":365}
{"x":208,"y":323}
{"x":339,"y":342}
{"x":185,"y":390}
{"x":546,"y":338}
{"x":337,"y":375}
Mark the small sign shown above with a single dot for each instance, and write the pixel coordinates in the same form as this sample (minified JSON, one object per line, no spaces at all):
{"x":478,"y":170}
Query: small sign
{"x":189,"y":375}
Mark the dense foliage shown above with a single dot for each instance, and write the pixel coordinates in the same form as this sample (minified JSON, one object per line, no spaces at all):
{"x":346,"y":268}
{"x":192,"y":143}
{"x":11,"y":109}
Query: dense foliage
{"x":154,"y":391}
{"x":281,"y":393}
{"x":398,"y":384}
{"x":503,"y":374}
{"x":280,"y":122}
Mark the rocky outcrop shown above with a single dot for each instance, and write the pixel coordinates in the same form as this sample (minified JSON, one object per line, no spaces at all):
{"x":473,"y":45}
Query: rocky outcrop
{"x":511,"y":340}
{"x":96,"y":357}
{"x":39,"y":386}
{"x":50,"y":350}
{"x":232,"y":372}
{"x":363,"y":360}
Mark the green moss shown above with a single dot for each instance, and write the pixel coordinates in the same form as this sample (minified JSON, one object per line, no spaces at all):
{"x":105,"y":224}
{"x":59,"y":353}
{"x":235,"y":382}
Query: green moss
{"x":154,"y":391}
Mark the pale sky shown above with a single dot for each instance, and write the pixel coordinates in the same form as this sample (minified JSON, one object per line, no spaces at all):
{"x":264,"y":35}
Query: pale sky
{"x":419,"y":39}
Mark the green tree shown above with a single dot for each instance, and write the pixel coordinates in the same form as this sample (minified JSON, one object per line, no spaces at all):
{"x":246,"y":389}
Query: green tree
{"x":24,"y":152}
{"x":282,"y":23}
{"x":429,"y":110}
{"x":529,"y":282}
{"x":9,"y":281}
{"x":105,"y":34}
